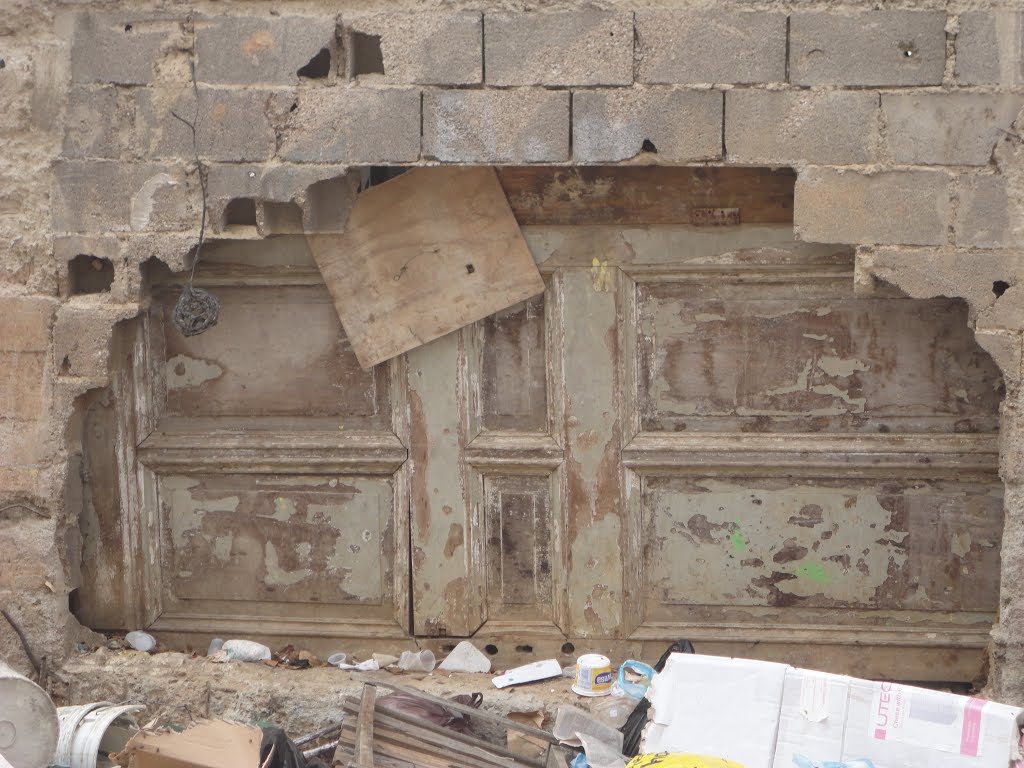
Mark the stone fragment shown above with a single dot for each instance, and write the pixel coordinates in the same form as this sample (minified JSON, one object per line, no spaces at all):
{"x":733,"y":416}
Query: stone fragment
{"x":496,"y":126}
{"x":983,"y":219}
{"x":892,"y":207}
{"x":90,"y":127}
{"x":947,"y":128}
{"x":81,"y":337}
{"x":466,"y":657}
{"x":233,"y":125}
{"x":680,"y":126}
{"x":427,"y":48}
{"x":867,"y":48}
{"x":264,"y":50}
{"x":585,"y":47}
{"x":710,"y":47}
{"x":794,"y":127}
{"x":990,"y":48}
{"x":357,"y":124}
{"x":120,"y":48}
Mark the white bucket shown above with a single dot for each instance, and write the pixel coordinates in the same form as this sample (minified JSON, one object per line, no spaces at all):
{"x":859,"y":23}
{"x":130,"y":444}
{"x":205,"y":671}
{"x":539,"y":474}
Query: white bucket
{"x":82,"y":729}
{"x":593,"y":675}
{"x":28,"y":721}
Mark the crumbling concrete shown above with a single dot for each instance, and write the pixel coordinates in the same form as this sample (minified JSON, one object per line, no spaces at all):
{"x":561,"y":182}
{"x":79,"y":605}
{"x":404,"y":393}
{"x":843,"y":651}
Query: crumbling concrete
{"x":94,"y":163}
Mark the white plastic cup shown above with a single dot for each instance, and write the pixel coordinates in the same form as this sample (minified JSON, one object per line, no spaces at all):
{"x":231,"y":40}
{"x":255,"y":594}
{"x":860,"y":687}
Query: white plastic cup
{"x":411,"y":661}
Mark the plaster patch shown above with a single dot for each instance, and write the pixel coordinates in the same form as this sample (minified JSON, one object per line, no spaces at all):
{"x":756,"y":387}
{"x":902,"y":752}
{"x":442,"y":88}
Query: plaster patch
{"x":184,"y":371}
{"x":142,"y":201}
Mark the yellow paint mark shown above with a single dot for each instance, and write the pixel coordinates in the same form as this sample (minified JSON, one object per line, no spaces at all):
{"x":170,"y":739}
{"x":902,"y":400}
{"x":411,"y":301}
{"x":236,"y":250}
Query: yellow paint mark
{"x":601,"y":275}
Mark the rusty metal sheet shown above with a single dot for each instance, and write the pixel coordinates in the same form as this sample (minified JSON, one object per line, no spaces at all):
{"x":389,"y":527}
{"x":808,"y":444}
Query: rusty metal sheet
{"x":764,"y":358}
{"x":280,"y":538}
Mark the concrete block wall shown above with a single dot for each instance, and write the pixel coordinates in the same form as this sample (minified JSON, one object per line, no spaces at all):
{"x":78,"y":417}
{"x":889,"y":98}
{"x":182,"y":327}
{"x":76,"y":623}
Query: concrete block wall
{"x":904,"y":124}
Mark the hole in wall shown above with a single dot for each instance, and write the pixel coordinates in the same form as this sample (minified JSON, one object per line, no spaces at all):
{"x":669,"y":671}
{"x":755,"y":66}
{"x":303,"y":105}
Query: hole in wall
{"x":89,"y":274}
{"x":2,"y":63}
{"x":318,"y":67}
{"x":128,"y":27}
{"x":648,"y":146}
{"x":282,"y":218}
{"x":524,"y":648}
{"x":448,"y":647}
{"x":999,"y":287}
{"x":240,"y":212}
{"x":367,"y":56}
{"x":568,"y":649}
{"x":909,"y":50}
{"x":470,"y":269}
{"x":491,"y":649}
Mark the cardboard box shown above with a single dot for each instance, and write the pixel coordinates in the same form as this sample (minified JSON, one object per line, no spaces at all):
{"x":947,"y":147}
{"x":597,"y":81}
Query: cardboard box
{"x":832,"y":718}
{"x":710,"y":705}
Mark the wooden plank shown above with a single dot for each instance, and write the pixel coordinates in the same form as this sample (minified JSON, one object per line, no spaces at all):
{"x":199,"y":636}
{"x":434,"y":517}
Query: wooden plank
{"x":364,"y":728}
{"x":457,"y":707}
{"x":423,"y":255}
{"x":646,"y":194}
{"x":430,"y":734}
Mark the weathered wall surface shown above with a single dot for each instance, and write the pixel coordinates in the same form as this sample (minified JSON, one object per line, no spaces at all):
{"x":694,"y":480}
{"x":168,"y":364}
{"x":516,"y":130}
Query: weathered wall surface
{"x":900,"y":121}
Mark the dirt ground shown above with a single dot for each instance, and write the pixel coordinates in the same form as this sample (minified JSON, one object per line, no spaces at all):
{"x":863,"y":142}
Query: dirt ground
{"x":299,"y":701}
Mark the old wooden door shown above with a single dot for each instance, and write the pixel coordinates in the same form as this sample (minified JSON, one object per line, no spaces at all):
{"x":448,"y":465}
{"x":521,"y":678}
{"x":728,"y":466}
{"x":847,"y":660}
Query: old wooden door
{"x":704,"y":433}
{"x":696,"y":432}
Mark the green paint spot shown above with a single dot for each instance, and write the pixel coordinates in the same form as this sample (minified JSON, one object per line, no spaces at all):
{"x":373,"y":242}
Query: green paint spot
{"x":739,"y":543}
{"x":814,"y":571}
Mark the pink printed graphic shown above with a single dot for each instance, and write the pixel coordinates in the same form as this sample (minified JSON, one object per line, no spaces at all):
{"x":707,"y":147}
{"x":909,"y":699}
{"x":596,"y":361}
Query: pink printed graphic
{"x":880,"y":734}
{"x":970,"y":738}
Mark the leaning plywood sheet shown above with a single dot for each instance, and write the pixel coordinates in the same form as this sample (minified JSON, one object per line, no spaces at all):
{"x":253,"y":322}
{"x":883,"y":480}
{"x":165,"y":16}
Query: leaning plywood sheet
{"x":423,"y":255}
{"x":210,"y":744}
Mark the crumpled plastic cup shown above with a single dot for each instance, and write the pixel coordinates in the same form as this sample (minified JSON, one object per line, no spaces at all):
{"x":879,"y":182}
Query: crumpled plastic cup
{"x":140,"y":641}
{"x":246,"y":650}
{"x":423,"y":661}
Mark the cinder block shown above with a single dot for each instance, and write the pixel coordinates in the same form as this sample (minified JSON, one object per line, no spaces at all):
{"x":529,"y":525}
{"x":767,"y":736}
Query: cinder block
{"x":710,"y":47}
{"x":233,"y":125}
{"x":81,"y":337}
{"x":354,"y":125}
{"x":867,"y":48}
{"x":947,"y":128}
{"x":249,"y":50}
{"x":990,"y":48}
{"x":793,"y":127}
{"x":496,"y":126}
{"x":893,"y":208}
{"x":110,"y":196}
{"x":90,"y":129}
{"x":612,"y":125}
{"x":983,"y":218}
{"x":22,"y":375}
{"x":120,"y":48}
{"x":427,"y":48}
{"x":26,"y":323}
{"x":586,"y":47}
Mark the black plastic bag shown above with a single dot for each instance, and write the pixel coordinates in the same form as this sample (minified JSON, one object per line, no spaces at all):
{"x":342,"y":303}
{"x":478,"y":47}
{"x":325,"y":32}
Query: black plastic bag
{"x":634,"y":727}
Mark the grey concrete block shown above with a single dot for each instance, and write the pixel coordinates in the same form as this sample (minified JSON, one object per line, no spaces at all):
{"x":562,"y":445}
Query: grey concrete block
{"x":496,"y":126}
{"x":612,"y":125}
{"x":794,"y":127}
{"x":891,"y":208}
{"x":90,"y":125}
{"x":586,"y":47}
{"x":990,"y":48}
{"x":984,"y":218}
{"x":120,"y":48}
{"x":233,"y":125}
{"x":710,"y":47}
{"x":112,"y":196}
{"x":249,"y":50}
{"x":354,"y":125}
{"x":427,"y":48}
{"x":947,"y":128}
{"x":867,"y":48}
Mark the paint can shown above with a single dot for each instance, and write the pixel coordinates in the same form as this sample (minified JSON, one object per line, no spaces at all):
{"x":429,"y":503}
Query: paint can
{"x":28,"y":721}
{"x":593,"y":675}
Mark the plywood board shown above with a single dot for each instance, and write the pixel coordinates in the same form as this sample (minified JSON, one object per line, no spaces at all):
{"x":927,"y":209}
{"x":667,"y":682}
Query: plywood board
{"x":423,"y":255}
